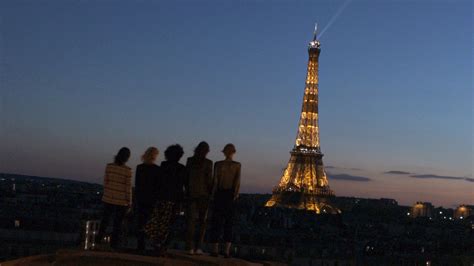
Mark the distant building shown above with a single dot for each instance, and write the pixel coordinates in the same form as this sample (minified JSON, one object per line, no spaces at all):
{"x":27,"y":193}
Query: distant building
{"x":92,"y":229}
{"x":422,"y":209}
{"x":41,"y":215}
{"x":463,"y":211}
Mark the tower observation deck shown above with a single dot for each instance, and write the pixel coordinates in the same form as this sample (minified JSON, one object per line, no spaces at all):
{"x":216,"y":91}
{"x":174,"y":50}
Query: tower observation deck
{"x":304,"y":184}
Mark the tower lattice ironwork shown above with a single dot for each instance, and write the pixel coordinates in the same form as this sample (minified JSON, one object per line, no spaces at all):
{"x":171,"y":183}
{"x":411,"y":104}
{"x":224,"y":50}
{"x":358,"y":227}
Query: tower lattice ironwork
{"x":304,"y":184}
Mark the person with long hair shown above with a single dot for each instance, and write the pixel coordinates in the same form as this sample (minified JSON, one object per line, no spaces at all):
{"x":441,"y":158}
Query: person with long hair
{"x":199,"y":190}
{"x":117,"y":196}
{"x":226,"y":191}
{"x":169,"y":195}
{"x":146,"y":177}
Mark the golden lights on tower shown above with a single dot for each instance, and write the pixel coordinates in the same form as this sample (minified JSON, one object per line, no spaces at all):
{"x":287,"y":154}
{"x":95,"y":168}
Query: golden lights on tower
{"x":304,"y":184}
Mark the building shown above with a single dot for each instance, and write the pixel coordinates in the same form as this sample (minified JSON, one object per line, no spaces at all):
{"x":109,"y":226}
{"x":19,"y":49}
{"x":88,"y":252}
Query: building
{"x":304,"y":184}
{"x":92,"y":229}
{"x":463,"y":211}
{"x":422,"y":209}
{"x":43,"y":215}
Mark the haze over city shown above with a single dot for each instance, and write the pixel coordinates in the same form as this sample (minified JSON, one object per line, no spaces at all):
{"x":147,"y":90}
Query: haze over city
{"x":82,"y":79}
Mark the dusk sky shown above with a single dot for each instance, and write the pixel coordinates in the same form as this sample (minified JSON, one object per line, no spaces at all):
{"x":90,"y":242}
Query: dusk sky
{"x":80,"y":79}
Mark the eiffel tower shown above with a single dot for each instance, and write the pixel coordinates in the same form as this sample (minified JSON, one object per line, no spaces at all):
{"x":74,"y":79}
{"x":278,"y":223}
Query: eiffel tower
{"x":304,"y":184}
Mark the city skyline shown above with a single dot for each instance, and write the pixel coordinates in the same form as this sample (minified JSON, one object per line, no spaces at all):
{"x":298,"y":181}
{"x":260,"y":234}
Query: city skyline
{"x":396,"y":101}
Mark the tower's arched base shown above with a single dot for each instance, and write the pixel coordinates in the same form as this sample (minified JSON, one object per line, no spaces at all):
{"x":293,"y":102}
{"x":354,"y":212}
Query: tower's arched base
{"x":303,"y":201}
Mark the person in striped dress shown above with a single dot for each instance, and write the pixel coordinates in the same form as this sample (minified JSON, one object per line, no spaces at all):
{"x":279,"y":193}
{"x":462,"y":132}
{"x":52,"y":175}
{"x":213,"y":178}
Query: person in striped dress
{"x":117,"y":197}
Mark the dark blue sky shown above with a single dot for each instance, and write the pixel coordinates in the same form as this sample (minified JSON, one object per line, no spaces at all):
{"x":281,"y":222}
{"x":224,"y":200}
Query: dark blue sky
{"x":80,"y":79}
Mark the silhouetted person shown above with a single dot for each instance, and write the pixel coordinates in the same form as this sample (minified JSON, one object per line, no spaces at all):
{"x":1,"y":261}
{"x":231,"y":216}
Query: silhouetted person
{"x":146,"y":177}
{"x":199,"y":191}
{"x":226,"y":191}
{"x":169,"y":194}
{"x":117,"y":196}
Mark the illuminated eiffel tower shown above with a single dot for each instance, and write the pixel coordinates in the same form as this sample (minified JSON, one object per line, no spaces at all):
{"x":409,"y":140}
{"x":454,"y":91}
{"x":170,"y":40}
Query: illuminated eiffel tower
{"x":304,"y":184}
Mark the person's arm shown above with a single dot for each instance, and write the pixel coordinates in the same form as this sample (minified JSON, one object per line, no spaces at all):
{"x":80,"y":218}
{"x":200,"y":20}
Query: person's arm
{"x":214,"y":181}
{"x":236,"y":184}
{"x":209,"y":177}
{"x":184,"y":181}
{"x":187,"y":178}
{"x":128,"y":188}
{"x":138,"y":184}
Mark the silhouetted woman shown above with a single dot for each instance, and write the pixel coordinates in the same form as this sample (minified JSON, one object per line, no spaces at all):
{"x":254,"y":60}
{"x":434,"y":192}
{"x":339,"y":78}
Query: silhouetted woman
{"x":226,"y":187}
{"x":146,"y":177}
{"x":117,"y":195}
{"x":169,"y":194}
{"x":199,"y":190}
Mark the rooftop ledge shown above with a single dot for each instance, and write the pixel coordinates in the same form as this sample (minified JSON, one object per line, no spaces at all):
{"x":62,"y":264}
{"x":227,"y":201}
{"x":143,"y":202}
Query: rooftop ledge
{"x":174,"y":258}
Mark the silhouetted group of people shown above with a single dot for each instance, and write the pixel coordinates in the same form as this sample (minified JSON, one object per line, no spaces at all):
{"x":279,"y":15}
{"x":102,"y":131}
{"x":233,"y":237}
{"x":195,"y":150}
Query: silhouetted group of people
{"x":160,"y":191}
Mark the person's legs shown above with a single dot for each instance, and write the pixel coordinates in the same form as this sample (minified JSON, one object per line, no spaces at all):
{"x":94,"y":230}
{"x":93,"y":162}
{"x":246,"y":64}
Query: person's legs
{"x":190,"y":225}
{"x":202,"y":211}
{"x":119,"y":214}
{"x":216,"y":228}
{"x":104,"y":223}
{"x":228,"y":223}
{"x":214,"y":235}
{"x":158,"y":226}
{"x":143,"y":213}
{"x":169,"y":216}
{"x":152,"y":226}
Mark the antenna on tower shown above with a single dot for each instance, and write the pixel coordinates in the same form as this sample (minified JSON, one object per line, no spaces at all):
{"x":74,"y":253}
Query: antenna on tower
{"x":315,"y":43}
{"x":315,"y":34}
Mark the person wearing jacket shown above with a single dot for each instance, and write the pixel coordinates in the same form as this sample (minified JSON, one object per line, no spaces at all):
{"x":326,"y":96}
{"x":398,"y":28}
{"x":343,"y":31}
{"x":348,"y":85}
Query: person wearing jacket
{"x":199,"y":190}
{"x":226,"y":191}
{"x":146,"y":176}
{"x":117,"y":197}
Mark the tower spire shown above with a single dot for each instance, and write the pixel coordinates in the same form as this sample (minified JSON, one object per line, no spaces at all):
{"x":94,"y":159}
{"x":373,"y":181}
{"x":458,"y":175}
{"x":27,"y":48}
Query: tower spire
{"x":315,"y":42}
{"x":315,"y":33}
